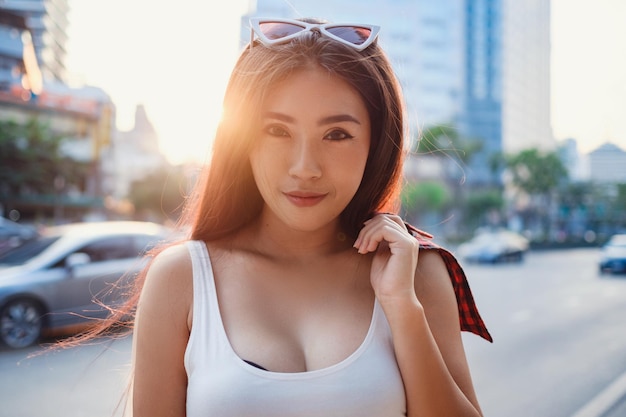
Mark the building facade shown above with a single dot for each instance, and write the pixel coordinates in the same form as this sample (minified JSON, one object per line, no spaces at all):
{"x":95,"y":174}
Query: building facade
{"x":47,"y":21}
{"x":577,"y":165}
{"x":506,"y":101}
{"x":133,"y":155}
{"x":481,"y":117}
{"x":607,"y":164}
{"x":20,"y":74}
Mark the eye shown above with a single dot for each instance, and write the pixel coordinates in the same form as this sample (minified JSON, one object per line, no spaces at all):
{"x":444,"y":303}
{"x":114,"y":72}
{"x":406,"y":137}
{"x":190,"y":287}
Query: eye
{"x":338,"y":134}
{"x":276,"y":130}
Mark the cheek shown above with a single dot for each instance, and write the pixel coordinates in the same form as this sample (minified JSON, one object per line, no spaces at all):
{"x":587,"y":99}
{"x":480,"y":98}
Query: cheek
{"x":350,"y":168}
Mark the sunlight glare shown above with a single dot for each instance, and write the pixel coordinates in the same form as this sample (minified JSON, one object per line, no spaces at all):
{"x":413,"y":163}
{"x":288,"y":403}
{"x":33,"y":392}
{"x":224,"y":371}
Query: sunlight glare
{"x":173,"y":60}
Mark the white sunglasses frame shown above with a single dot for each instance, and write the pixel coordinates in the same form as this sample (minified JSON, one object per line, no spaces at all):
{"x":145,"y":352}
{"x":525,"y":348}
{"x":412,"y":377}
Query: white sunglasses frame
{"x":255,"y":28}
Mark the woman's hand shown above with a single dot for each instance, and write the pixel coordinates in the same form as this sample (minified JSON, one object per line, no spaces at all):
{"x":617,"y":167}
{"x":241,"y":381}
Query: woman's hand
{"x":395,"y":258}
{"x":425,"y":331}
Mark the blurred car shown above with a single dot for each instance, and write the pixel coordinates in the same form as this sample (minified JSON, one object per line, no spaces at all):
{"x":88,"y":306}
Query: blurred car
{"x":13,"y":234}
{"x":59,"y":279}
{"x":613,"y":255}
{"x":494,"y":246}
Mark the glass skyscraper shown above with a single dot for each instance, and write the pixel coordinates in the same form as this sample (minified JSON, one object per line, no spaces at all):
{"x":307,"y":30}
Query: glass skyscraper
{"x":506,"y":94}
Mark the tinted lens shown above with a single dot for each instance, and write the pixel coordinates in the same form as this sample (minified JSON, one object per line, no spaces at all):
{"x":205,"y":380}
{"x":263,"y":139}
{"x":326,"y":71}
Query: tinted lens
{"x":279,"y":30}
{"x":354,"y":35}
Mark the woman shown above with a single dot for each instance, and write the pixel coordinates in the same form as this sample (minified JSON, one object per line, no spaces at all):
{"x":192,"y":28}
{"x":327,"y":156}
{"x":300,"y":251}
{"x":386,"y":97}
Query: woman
{"x":299,"y":292}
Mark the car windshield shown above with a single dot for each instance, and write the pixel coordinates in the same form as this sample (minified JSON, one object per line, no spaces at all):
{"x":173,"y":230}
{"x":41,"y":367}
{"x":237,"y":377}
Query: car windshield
{"x":29,"y":249}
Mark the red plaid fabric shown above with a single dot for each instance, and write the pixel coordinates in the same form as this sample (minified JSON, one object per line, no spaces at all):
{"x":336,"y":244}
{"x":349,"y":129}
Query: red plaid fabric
{"x":468,"y":312}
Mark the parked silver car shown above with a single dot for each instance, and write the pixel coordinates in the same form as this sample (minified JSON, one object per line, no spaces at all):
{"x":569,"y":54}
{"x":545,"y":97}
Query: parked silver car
{"x":58,"y":280}
{"x":14,"y":234}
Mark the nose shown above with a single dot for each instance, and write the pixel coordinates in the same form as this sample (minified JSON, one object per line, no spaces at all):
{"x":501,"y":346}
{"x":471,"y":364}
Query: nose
{"x":305,"y":160}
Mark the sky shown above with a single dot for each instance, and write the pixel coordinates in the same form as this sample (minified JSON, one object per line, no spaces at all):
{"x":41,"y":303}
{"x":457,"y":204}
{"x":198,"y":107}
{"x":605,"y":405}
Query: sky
{"x":175,"y":60}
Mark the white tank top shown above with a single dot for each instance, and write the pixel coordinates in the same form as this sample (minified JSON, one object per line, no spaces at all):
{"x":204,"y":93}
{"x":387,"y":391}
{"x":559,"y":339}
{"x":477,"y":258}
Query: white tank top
{"x":367,"y":383}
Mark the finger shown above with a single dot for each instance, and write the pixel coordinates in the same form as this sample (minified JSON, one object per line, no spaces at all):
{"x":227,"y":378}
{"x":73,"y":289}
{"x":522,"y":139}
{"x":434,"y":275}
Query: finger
{"x":378,"y":221}
{"x":386,"y":224}
{"x":396,"y":219}
{"x":390,"y":218}
{"x":378,"y":231}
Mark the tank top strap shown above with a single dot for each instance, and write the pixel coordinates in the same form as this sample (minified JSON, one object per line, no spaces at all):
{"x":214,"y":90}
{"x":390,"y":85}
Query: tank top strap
{"x":205,"y":310}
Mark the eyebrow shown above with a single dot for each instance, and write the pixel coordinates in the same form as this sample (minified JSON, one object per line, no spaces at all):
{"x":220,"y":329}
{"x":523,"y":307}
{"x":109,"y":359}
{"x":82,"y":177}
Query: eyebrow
{"x":336,"y":118}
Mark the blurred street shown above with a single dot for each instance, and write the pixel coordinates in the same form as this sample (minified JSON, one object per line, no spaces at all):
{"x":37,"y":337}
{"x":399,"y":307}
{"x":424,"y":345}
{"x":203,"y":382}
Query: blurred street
{"x":558,"y":328}
{"x":82,"y":382}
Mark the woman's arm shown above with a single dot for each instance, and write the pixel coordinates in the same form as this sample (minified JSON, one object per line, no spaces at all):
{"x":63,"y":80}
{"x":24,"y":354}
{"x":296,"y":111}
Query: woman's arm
{"x":420,"y":305}
{"x":429,"y":348}
{"x":160,"y":336}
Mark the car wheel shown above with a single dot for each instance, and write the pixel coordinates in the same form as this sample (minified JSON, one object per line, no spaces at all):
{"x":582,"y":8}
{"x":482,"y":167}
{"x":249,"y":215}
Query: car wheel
{"x":21,"y":323}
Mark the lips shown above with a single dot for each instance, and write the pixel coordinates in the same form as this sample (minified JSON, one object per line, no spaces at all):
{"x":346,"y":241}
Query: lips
{"x":304,"y":198}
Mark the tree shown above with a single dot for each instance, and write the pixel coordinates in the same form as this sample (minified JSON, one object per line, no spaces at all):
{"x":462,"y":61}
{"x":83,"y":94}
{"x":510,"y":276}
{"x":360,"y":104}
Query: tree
{"x":538,"y":175}
{"x":592,"y":211}
{"x":483,"y":206}
{"x":31,"y":162}
{"x":159,"y":196}
{"x":425,"y":196}
{"x":441,"y":140}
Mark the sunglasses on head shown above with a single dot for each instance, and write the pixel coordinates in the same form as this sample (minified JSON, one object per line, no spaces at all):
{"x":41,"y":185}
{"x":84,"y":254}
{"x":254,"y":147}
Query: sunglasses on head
{"x":278,"y":31}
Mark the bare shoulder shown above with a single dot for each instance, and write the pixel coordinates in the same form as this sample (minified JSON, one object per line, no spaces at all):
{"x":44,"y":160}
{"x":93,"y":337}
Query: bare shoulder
{"x":168,"y":282}
{"x":171,"y":262}
{"x":431,"y":276}
{"x":434,"y":289}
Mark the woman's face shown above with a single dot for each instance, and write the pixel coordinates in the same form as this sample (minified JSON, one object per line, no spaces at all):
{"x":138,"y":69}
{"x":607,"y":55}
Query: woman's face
{"x":311,"y":149}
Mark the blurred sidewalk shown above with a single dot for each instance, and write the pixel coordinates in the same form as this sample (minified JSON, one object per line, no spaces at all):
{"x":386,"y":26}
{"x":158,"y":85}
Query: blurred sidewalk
{"x":609,"y":403}
{"x":618,"y":410}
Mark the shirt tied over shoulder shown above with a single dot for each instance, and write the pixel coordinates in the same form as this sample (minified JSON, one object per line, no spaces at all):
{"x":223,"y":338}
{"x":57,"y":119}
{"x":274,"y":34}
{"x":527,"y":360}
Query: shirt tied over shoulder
{"x":469,"y":317}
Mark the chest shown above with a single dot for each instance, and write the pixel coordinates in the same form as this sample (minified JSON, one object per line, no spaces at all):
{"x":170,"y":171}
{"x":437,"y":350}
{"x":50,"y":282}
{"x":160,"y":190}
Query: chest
{"x":294,"y":317}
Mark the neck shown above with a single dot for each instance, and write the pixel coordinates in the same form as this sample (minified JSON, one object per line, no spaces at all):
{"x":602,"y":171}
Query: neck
{"x":277,"y":239}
